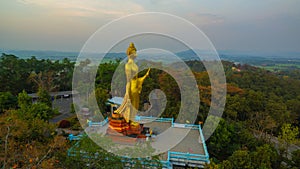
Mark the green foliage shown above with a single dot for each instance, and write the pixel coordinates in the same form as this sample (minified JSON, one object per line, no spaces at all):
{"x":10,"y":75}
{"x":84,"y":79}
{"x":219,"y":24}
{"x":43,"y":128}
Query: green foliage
{"x":75,"y":125}
{"x":105,"y":73}
{"x":72,"y":109}
{"x":295,"y":159}
{"x":235,"y":107}
{"x":258,"y":101}
{"x":287,"y":136}
{"x":7,"y":101}
{"x":255,"y":101}
{"x":293,"y":106}
{"x":29,"y":110}
{"x":263,"y":158}
{"x":28,"y":129}
{"x":220,"y":141}
{"x":102,"y":97}
{"x":24,"y":100}
{"x":40,"y":110}
{"x":29,"y":143}
{"x":15,"y":73}
{"x":12,"y":73}
{"x":278,"y":110}
{"x":169,"y":86}
{"x":44,"y":97}
{"x":229,"y":137}
{"x":36,"y":110}
{"x":87,"y":154}
{"x":241,"y":159}
{"x":98,"y":157}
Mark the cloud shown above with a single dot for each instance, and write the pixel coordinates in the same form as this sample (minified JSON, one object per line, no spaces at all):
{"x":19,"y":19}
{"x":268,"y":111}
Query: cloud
{"x":204,"y":18}
{"x":87,"y":8}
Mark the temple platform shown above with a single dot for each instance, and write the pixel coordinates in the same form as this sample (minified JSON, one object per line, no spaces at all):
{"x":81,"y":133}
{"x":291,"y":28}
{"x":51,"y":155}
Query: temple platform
{"x":189,"y":152}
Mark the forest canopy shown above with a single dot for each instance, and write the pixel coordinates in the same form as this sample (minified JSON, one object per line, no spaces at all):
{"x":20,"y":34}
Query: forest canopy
{"x":260,"y":106}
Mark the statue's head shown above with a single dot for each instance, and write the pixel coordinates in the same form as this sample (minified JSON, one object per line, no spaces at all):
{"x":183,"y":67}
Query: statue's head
{"x":131,"y":51}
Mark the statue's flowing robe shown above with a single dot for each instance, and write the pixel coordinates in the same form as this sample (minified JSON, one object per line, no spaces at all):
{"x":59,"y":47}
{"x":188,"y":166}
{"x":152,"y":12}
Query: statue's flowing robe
{"x":129,"y":107}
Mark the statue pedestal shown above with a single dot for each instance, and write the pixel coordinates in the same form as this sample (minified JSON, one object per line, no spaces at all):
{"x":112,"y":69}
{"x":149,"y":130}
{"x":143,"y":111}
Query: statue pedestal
{"x":118,"y":125}
{"x":121,"y":131}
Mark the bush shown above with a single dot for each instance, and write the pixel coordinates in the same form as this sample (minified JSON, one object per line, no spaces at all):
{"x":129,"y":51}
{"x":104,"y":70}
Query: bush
{"x":64,"y":124}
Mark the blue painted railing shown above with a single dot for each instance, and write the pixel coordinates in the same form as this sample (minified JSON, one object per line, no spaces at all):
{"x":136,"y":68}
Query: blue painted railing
{"x":203,"y":142}
{"x":161,"y":119}
{"x":102,"y":123}
{"x":165,"y":164}
{"x":137,"y":118}
{"x":171,"y":154}
{"x":188,"y":156}
{"x":72,"y":137}
{"x":192,"y":126}
{"x":73,"y":153}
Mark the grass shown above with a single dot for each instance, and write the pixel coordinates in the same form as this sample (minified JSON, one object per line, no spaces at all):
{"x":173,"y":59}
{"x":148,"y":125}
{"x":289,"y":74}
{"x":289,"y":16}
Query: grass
{"x":281,"y":67}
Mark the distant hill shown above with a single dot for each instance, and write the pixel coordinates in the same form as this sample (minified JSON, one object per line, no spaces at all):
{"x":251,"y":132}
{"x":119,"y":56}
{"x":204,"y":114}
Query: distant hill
{"x":252,"y":58}
{"x":57,"y":55}
{"x":52,"y":55}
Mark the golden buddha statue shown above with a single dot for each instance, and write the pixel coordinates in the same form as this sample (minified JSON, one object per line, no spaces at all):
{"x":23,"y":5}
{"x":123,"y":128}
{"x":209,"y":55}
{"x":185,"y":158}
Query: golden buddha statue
{"x":129,"y":107}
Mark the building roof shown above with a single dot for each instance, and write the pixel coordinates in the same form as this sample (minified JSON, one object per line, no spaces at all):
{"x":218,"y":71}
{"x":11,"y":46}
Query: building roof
{"x":116,"y":100}
{"x":61,"y":93}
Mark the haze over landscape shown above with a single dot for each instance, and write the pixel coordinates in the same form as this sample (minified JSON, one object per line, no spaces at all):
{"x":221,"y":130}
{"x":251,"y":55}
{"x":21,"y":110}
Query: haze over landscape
{"x":269,"y":26}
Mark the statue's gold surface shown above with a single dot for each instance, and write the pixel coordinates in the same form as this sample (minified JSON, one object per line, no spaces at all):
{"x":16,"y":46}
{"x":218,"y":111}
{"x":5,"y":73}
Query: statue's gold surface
{"x":130,"y":105}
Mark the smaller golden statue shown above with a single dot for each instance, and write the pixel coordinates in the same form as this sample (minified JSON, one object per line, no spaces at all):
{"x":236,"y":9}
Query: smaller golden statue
{"x":129,"y":108}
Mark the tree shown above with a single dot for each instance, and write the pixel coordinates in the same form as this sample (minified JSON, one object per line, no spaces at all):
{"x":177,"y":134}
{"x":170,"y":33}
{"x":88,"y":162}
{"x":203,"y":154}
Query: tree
{"x":241,"y":159}
{"x":226,"y":164}
{"x":88,"y":154}
{"x":44,"y":97}
{"x":7,"y":101}
{"x":30,"y":143}
{"x":24,"y":100}
{"x":296,"y":159}
{"x":101,"y":96}
{"x":170,"y":87}
{"x":72,"y":109}
{"x":219,"y":142}
{"x":263,"y":123}
{"x":41,"y":111}
{"x":278,"y":111}
{"x":287,"y":136}
{"x":294,"y":107}
{"x":255,"y":102}
{"x":234,"y":105}
{"x":44,"y":80}
{"x":243,"y":137}
{"x":105,"y":73}
{"x":13,"y":74}
{"x":264,"y":157}
{"x":65,"y":75}
{"x":212,"y":165}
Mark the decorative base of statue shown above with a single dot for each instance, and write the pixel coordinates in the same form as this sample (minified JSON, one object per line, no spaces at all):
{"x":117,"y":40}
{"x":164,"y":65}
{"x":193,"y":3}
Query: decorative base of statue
{"x":122,"y":132}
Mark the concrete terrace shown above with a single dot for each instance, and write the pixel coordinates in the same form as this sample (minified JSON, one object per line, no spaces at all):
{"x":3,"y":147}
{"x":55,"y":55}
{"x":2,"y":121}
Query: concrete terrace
{"x":191,"y":151}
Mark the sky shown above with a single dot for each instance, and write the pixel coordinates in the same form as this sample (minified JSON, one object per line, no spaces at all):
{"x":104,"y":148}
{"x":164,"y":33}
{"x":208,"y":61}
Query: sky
{"x":65,"y":25}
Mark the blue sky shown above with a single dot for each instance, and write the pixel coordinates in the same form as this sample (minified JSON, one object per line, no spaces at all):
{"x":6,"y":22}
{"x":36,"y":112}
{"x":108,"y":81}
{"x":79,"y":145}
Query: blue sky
{"x":241,"y":25}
